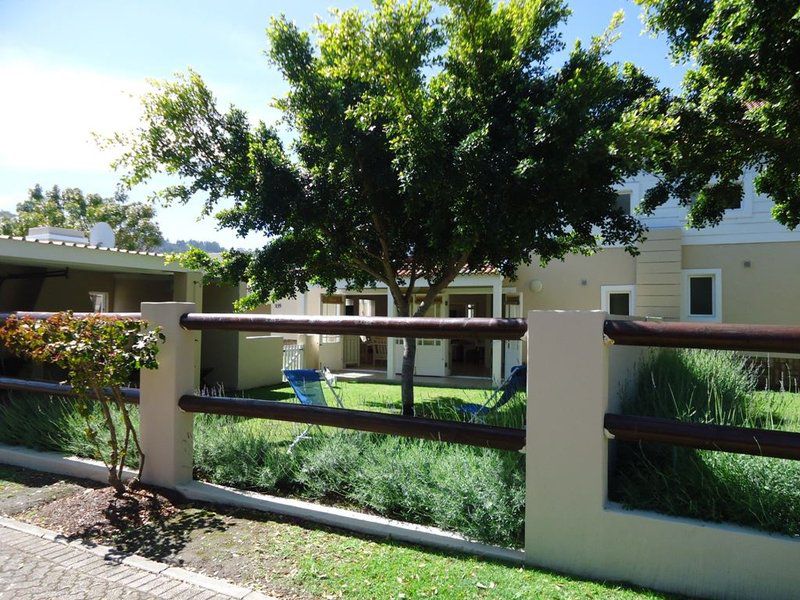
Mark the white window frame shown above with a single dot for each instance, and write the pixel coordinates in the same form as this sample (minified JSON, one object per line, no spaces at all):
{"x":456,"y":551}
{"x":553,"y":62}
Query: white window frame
{"x":716,"y":288}
{"x":606,"y":290}
{"x":104,"y":300}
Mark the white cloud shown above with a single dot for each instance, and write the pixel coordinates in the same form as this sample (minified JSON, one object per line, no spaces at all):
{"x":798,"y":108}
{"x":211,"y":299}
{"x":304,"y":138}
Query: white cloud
{"x":48,"y":112}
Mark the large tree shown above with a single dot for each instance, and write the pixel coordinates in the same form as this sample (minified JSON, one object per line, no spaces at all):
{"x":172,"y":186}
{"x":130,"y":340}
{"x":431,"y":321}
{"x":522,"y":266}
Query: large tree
{"x":739,"y":108}
{"x":133,"y":222}
{"x":422,"y":144}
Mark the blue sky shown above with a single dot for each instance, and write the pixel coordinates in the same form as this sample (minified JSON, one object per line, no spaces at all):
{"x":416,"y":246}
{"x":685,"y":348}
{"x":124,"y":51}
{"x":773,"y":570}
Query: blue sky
{"x":70,"y":68}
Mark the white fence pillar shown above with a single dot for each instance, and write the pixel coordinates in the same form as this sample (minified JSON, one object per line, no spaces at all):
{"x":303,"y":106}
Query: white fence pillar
{"x":165,"y":430}
{"x":566,"y":453}
{"x":574,"y":376}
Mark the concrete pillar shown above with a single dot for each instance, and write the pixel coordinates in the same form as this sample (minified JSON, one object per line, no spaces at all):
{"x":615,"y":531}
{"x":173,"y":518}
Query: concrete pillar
{"x":497,"y":345}
{"x":165,"y":430}
{"x":566,"y":451}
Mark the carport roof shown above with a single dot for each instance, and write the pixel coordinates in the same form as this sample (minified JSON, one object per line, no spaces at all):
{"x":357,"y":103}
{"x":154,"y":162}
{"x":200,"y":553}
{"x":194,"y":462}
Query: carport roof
{"x":32,"y":252}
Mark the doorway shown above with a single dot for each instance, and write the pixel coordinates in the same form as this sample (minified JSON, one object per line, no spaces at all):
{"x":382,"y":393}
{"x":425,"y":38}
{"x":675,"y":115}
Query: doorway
{"x":470,"y":357}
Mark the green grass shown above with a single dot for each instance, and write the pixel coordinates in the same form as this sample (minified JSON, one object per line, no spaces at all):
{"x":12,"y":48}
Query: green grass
{"x":433,"y":402}
{"x":720,"y":388}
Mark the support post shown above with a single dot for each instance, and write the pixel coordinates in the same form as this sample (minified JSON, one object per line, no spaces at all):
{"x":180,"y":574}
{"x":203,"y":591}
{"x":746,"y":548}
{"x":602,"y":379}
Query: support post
{"x":566,"y":452}
{"x":166,"y":430}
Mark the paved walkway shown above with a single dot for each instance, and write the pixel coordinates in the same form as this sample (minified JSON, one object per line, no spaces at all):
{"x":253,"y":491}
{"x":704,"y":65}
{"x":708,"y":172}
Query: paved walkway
{"x":35,"y":568}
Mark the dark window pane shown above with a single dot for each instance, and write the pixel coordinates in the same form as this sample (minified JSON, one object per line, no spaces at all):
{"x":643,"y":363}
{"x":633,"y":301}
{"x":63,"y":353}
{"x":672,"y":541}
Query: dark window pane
{"x":619,"y":303}
{"x":735,"y":203}
{"x":624,"y":203}
{"x":701,"y":296}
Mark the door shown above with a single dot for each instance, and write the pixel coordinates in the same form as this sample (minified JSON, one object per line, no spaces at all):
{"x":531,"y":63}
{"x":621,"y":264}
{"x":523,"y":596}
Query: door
{"x":431,"y":353}
{"x":512,"y":349}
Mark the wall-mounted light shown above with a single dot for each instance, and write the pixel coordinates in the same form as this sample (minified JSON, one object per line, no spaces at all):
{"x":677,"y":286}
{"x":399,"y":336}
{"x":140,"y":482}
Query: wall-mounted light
{"x":747,"y":264}
{"x":584,"y":281}
{"x":536,"y":285}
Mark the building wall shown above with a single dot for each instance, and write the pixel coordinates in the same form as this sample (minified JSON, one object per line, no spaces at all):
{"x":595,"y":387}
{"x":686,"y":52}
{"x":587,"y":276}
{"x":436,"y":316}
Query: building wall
{"x":220,"y":349}
{"x":72,"y":292}
{"x":658,"y":274}
{"x":766,"y":292}
{"x":575,"y":282}
{"x":131,"y":290}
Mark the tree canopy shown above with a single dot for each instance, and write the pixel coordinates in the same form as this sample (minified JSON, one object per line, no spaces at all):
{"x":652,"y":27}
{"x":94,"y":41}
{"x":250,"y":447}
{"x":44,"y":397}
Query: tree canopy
{"x":422,"y":144}
{"x":739,"y":107}
{"x":133,"y":222}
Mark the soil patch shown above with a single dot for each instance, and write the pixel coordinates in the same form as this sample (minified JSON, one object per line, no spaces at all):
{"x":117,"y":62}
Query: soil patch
{"x":21,"y":490}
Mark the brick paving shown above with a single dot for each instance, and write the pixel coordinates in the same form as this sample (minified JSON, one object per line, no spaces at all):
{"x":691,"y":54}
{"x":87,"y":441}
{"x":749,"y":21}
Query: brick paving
{"x":34,"y":568}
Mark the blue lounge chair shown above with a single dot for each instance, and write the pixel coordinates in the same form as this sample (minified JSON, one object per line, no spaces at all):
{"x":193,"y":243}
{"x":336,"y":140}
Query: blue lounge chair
{"x":516,"y":381}
{"x":307,"y":386}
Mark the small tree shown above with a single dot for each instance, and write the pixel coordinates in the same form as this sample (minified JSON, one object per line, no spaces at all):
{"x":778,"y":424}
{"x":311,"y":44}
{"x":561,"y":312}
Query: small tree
{"x":99,"y":354}
{"x":424,"y":144}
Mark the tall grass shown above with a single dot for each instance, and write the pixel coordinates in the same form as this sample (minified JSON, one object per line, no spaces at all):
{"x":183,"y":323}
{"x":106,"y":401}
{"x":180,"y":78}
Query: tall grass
{"x":477,"y":492}
{"x":716,"y":387}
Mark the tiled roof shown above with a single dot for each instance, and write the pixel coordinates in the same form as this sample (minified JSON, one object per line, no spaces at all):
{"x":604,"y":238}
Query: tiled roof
{"x":467,"y":270}
{"x":79,"y":245}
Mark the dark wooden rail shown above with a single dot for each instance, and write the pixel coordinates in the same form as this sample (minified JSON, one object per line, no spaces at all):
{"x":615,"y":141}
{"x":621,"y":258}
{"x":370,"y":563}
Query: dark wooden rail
{"x":740,"y":440}
{"x":421,"y":327}
{"x":471,"y":434}
{"x":716,"y":336}
{"x":54,"y":388}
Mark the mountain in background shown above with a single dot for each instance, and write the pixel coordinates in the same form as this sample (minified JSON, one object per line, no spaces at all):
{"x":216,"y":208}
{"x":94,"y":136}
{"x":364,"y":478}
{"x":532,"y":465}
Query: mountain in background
{"x":183,"y":246}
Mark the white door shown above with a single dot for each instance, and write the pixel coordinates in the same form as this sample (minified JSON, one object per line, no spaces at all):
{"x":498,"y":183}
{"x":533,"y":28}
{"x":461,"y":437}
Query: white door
{"x":431,"y":353}
{"x":430,"y":357}
{"x":512,"y":349}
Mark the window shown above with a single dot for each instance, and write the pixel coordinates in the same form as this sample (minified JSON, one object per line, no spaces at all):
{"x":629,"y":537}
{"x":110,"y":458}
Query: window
{"x":702,"y":294}
{"x":624,"y":202}
{"x":618,"y":300}
{"x":331,"y":307}
{"x":99,"y":301}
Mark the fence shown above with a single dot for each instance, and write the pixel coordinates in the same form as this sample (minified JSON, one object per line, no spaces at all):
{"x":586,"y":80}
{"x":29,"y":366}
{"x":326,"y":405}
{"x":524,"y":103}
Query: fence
{"x":293,"y":356}
{"x":577,"y":362}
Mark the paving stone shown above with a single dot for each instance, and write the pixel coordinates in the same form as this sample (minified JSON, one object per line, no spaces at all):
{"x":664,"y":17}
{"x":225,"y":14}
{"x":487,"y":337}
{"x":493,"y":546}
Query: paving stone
{"x":35,"y":567}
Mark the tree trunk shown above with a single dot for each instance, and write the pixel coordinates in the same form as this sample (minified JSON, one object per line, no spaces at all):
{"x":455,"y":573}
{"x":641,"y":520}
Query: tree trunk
{"x":407,"y":376}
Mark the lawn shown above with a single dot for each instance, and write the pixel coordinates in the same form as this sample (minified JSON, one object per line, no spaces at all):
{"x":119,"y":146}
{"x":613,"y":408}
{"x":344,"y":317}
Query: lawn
{"x":294,"y":559}
{"x":431,"y":402}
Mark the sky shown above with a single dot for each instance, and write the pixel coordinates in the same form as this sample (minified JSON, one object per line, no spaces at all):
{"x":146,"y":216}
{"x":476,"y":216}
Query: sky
{"x":70,"y":69}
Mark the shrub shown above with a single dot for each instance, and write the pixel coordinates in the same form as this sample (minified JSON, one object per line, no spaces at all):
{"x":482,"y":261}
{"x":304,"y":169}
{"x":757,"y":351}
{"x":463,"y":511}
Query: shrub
{"x":708,"y":387}
{"x":100,"y":354}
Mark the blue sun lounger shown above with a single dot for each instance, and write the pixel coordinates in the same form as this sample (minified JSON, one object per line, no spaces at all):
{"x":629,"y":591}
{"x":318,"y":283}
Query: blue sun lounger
{"x":307,"y":387}
{"x":516,"y":381}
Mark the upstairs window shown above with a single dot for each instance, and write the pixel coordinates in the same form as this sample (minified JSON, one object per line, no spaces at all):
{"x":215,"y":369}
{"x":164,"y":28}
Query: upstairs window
{"x":624,"y":202}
